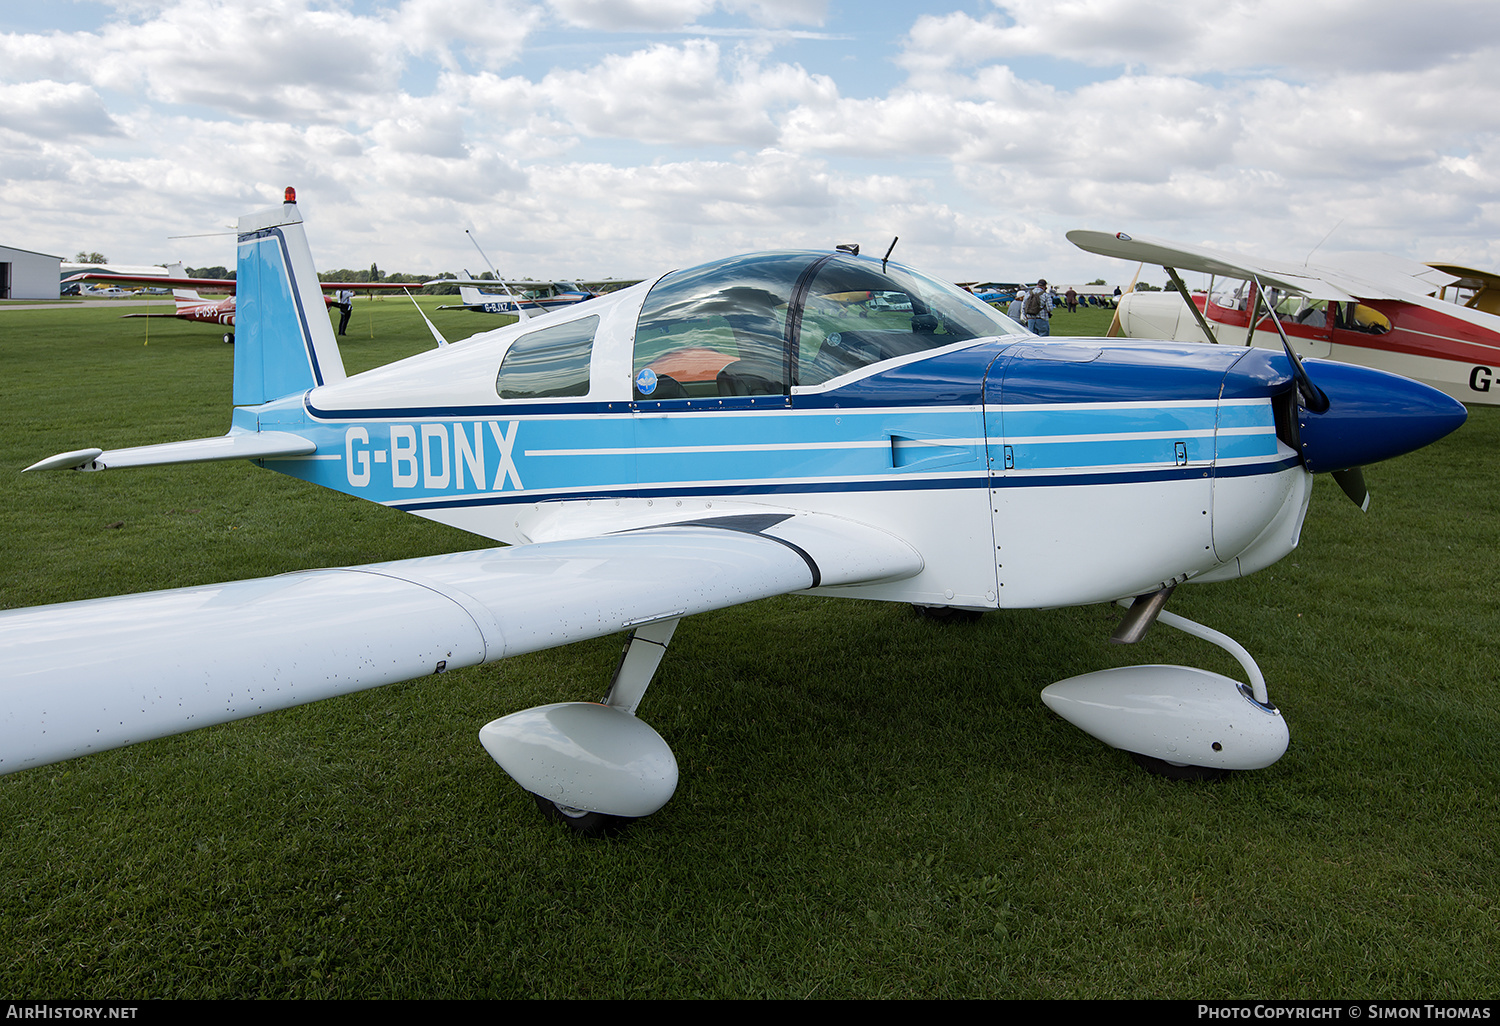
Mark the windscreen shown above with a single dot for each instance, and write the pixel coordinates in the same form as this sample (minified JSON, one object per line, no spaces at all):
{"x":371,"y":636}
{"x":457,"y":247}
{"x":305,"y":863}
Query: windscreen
{"x":761,"y":324}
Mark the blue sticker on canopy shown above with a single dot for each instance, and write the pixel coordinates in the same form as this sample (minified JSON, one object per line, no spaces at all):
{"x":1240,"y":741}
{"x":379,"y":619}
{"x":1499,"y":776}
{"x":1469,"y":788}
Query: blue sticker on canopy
{"x":645,"y":381}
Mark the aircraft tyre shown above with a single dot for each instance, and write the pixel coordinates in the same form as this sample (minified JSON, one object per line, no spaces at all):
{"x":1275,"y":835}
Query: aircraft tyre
{"x":1177,"y":771}
{"x":583,"y":824}
{"x":229,"y":338}
{"x":947,"y":614}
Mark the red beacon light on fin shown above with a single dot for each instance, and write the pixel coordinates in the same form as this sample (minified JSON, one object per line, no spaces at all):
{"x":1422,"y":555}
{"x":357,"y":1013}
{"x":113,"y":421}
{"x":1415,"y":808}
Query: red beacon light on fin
{"x":291,"y":195}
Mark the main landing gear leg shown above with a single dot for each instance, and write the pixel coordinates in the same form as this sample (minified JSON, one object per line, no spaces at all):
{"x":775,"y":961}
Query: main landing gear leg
{"x":643,"y":653}
{"x":593,"y":766}
{"x":1176,"y":721}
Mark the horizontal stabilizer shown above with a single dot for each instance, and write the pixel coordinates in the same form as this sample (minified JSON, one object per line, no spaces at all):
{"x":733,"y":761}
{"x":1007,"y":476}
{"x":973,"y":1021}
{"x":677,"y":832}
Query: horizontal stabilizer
{"x":237,"y":445}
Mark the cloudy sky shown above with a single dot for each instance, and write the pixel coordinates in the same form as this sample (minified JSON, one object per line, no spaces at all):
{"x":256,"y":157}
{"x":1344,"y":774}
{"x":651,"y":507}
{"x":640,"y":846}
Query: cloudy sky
{"x":625,"y":137}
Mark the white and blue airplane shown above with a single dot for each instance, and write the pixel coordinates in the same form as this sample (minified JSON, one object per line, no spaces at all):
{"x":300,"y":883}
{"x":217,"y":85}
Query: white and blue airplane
{"x":720,"y":434}
{"x":535,"y":297}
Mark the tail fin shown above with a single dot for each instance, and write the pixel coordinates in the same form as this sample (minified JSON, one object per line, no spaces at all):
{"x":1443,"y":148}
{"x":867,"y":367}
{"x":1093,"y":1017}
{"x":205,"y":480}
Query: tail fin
{"x":182,"y":297}
{"x":283,"y":341}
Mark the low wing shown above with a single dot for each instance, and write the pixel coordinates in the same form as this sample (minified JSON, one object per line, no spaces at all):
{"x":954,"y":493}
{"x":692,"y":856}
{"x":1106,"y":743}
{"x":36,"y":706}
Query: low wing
{"x":1361,"y":276}
{"x":87,"y":676}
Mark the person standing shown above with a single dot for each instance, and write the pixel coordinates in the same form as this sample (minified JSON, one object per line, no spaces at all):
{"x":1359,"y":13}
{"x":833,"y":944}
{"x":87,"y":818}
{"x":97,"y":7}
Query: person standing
{"x":1017,"y":311}
{"x":1072,"y":297}
{"x":1038,"y":309}
{"x":346,"y":307}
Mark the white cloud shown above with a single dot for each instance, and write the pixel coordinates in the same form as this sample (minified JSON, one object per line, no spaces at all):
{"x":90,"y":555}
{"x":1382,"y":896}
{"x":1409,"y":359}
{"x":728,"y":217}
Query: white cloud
{"x":275,"y":59}
{"x":978,"y":137}
{"x":631,"y":15}
{"x":50,"y":110}
{"x":1184,"y":37}
{"x":681,"y":95}
{"x":647,"y":15}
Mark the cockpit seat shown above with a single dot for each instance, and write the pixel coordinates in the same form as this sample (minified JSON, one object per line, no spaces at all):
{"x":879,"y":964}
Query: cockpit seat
{"x":745,"y":377}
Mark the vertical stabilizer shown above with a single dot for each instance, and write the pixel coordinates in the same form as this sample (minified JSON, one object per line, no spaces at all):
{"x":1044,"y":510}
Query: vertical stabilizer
{"x":283,"y":341}
{"x":182,"y":297}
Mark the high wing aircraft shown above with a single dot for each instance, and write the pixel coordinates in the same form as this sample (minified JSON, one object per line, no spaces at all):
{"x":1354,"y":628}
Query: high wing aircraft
{"x":1480,"y":290}
{"x":1375,"y":310}
{"x":190,"y":306}
{"x":532,"y":296}
{"x":713,"y":436}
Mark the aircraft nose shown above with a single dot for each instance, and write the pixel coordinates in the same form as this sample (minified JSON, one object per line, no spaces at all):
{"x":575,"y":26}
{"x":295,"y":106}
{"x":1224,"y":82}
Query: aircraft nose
{"x":1372,"y":415}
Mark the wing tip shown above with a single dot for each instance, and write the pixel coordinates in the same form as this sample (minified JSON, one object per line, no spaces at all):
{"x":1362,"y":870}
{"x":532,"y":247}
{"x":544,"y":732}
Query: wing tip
{"x":78,"y":459}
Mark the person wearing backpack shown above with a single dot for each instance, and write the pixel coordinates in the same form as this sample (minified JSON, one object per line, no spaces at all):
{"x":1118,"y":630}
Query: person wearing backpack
{"x":1038,"y":309}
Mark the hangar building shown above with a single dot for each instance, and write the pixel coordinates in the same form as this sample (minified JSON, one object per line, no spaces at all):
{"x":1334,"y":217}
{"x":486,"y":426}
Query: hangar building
{"x":28,"y":275}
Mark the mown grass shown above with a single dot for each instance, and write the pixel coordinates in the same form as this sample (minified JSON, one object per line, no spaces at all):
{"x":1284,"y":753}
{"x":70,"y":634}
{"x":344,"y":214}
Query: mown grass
{"x":871,"y":805}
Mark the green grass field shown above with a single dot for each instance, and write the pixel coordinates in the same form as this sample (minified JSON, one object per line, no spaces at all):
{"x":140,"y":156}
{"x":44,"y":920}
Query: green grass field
{"x":871,"y":805}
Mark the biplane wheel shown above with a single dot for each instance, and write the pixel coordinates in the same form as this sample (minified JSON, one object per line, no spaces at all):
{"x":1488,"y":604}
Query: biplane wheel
{"x":584,"y":824}
{"x":229,"y":338}
{"x":947,"y":614}
{"x":1177,"y":771}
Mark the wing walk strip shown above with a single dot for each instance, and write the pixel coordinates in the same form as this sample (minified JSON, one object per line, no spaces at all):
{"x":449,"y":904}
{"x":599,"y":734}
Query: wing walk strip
{"x":87,"y":676}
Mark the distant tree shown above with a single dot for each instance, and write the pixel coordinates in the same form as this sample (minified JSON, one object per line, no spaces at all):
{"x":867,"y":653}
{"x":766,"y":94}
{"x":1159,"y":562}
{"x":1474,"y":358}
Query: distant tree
{"x":1097,"y":281}
{"x":442,"y":290}
{"x":1143,"y":286}
{"x":90,"y":258}
{"x":399,"y":277}
{"x":217,"y":271}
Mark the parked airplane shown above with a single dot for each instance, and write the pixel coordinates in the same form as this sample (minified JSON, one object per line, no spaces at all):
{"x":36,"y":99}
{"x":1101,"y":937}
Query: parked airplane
{"x":931,"y":453}
{"x":992,"y":292}
{"x":190,"y":306}
{"x":532,"y":296}
{"x":1374,"y":311}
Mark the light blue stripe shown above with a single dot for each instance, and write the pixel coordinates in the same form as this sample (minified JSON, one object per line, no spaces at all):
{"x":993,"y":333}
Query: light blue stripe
{"x":1025,"y":421}
{"x":624,"y":450}
{"x":1259,"y":415}
{"x":1123,"y":453}
{"x":1232,"y":447}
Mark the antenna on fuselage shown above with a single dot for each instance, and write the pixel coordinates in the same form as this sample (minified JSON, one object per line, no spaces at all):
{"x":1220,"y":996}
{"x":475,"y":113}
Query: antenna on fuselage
{"x":888,"y":253}
{"x":1320,"y":243}
{"x":520,"y":313}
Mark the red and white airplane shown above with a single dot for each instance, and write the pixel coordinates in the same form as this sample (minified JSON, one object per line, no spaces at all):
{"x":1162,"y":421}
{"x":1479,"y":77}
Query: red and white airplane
{"x":216,"y":310}
{"x":1374,"y":310}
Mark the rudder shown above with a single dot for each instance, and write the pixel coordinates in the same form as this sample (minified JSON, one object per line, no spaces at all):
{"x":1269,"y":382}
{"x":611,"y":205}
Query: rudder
{"x":283,"y":341}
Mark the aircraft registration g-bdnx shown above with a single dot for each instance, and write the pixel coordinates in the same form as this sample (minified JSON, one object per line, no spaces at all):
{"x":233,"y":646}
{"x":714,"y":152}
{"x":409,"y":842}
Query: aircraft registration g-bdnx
{"x":755,"y":426}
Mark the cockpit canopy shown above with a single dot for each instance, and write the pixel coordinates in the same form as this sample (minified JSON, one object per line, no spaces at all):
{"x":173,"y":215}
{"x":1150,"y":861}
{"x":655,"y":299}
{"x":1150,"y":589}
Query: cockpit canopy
{"x":768,"y":322}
